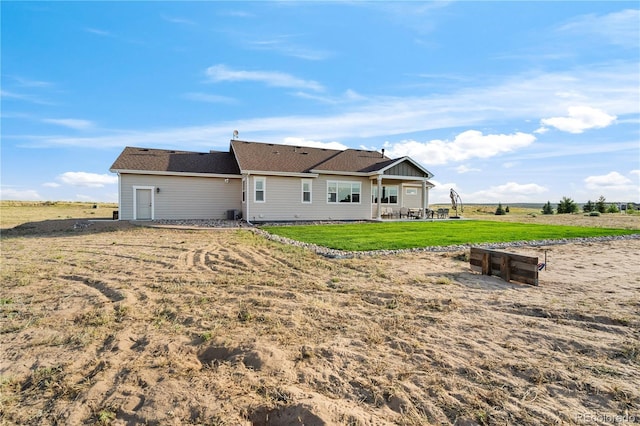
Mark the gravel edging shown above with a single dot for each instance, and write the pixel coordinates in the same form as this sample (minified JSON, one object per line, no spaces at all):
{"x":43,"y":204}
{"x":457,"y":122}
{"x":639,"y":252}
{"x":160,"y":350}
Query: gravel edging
{"x":344,"y":254}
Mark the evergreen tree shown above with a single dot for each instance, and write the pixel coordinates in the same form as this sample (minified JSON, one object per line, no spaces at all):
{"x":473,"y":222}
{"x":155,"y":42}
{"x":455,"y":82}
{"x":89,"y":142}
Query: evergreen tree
{"x":589,"y":207}
{"x":567,"y":205}
{"x":547,"y":209}
{"x":613,"y":209}
{"x":506,"y":210}
{"x":500,"y":211}
{"x":600,"y":205}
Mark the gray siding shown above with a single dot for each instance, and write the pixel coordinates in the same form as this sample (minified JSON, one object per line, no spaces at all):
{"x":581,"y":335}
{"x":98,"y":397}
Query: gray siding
{"x":405,"y":169}
{"x":283,"y":200}
{"x":182,"y":197}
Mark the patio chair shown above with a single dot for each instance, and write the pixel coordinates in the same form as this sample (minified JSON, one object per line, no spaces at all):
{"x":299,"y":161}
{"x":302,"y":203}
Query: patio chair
{"x":404,"y":212}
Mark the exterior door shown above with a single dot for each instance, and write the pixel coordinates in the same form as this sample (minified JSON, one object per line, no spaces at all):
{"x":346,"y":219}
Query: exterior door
{"x":143,"y":204}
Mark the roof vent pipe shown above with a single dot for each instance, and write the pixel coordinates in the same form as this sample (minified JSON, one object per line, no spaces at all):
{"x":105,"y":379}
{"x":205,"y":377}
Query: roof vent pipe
{"x":382,"y":152}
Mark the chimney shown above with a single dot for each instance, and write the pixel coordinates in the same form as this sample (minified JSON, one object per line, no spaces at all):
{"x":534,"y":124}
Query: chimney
{"x":382,"y":152}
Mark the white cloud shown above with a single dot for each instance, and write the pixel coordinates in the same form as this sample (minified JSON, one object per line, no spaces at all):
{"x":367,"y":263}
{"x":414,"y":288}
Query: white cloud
{"x":19,"y":194}
{"x":313,"y":144}
{"x":613,"y":88}
{"x":580,"y":118}
{"x":466,"y":145}
{"x":218,"y":73}
{"x":466,"y":169}
{"x":620,"y":28}
{"x":98,"y":32}
{"x":177,"y":20}
{"x":509,"y":192}
{"x":92,"y":180}
{"x":71,"y":123}
{"x":24,"y":97}
{"x":206,"y":97}
{"x":612,"y":180}
{"x":283,"y":46}
{"x":51,"y":184}
{"x":635,"y":172}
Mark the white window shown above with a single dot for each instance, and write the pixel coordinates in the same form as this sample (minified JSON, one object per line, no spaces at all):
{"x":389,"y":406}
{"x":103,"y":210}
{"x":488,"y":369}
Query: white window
{"x":306,"y":190}
{"x":343,"y":192}
{"x":411,"y":191}
{"x":259,"y":189}
{"x":389,"y":194}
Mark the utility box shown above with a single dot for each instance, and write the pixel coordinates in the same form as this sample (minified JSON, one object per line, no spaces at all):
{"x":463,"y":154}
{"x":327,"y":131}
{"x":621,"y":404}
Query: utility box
{"x":233,"y":214}
{"x":115,"y":215}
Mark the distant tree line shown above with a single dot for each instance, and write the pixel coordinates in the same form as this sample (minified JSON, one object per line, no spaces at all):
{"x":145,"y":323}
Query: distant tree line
{"x":567,"y":205}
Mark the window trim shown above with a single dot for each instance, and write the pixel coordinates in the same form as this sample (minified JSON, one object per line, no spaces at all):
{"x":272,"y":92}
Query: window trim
{"x":411,"y":191}
{"x":310,"y":191}
{"x":337,"y":184}
{"x":374,"y":190}
{"x":257,"y":179}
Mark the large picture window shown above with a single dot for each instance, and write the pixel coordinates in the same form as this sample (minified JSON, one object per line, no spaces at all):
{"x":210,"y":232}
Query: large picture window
{"x":343,"y":192}
{"x":389,"y":194}
{"x":306,"y":190}
{"x":259,"y":186}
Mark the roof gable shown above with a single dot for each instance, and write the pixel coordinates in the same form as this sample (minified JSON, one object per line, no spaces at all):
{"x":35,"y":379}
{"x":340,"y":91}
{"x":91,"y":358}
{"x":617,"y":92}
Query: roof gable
{"x":406,"y":166}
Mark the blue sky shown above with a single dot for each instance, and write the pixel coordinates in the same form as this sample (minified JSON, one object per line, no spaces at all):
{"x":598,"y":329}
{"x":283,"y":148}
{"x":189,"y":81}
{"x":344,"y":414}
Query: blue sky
{"x":503,"y":101}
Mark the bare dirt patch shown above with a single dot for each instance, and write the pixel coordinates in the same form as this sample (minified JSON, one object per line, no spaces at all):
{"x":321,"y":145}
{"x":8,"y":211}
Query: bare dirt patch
{"x":166,"y":326}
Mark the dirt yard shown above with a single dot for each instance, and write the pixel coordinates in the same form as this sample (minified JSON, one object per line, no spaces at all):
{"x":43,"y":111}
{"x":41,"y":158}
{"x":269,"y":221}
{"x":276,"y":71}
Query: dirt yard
{"x":118,"y":324}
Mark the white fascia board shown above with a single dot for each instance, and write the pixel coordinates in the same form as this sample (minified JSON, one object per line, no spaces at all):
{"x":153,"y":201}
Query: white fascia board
{"x":190,"y":174}
{"x":271,"y":173}
{"x":331,"y":172}
{"x":418,"y":184}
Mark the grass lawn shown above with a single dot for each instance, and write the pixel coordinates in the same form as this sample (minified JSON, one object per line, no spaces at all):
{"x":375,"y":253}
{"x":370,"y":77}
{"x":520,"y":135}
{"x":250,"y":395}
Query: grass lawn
{"x":404,"y":235}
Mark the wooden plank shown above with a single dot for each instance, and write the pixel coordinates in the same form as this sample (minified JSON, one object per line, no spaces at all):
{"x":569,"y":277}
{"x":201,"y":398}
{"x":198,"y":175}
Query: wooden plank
{"x":505,"y":269}
{"x":508,"y":266}
{"x":486,"y":264}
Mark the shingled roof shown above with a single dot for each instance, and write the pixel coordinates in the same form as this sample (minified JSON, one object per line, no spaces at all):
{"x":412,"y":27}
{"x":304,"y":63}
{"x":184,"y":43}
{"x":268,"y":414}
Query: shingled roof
{"x":253,"y":157}
{"x":161,"y":160}
{"x":265,"y":157}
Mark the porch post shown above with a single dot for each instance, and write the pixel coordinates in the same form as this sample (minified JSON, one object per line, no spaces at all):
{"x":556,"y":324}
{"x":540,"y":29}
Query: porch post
{"x":425,"y":198}
{"x":379,"y":215}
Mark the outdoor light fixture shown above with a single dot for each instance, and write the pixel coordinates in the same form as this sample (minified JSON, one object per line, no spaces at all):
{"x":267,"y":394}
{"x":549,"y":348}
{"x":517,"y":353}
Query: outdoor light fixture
{"x":157,"y":190}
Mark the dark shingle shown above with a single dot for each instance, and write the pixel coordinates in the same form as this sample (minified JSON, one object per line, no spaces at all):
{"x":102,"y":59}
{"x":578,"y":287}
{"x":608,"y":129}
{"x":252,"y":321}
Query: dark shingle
{"x":161,"y":160}
{"x":256,"y":156}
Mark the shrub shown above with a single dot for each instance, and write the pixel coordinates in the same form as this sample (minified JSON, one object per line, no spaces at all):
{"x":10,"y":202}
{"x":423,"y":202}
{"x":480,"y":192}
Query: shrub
{"x":500,"y":211}
{"x":613,"y":209}
{"x":506,"y":210}
{"x":567,"y":205}
{"x":594,"y":213}
{"x":547,"y":209}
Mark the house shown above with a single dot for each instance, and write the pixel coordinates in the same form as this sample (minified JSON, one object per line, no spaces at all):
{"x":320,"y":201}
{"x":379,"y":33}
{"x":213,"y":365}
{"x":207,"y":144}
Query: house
{"x":264,"y":182}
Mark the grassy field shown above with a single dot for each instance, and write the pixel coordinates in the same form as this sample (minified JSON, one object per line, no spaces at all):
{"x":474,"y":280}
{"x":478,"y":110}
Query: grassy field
{"x":13,"y":213}
{"x":112,"y":323}
{"x":413,"y":234}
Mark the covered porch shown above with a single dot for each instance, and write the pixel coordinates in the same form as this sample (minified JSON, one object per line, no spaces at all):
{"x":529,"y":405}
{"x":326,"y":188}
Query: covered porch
{"x":401,"y":199}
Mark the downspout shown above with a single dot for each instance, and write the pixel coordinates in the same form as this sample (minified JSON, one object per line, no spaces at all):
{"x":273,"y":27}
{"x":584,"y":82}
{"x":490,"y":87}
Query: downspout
{"x":246,"y":198}
{"x":119,"y":196}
